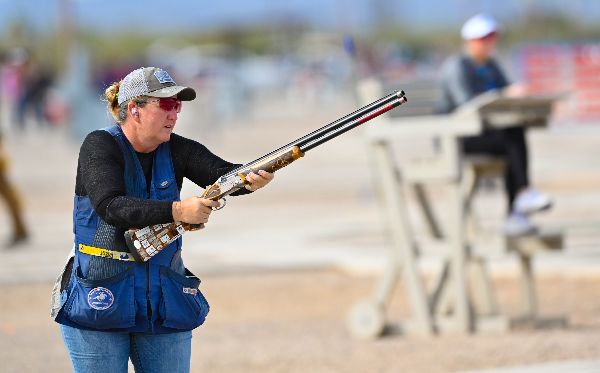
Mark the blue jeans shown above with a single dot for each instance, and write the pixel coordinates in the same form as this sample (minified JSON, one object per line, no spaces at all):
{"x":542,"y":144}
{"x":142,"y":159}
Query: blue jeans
{"x":98,"y":352}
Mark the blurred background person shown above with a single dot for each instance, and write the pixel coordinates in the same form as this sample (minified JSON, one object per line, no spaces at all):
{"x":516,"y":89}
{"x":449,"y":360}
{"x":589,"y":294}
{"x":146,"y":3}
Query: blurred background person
{"x":37,"y":79}
{"x":469,"y":74}
{"x":8,"y":191}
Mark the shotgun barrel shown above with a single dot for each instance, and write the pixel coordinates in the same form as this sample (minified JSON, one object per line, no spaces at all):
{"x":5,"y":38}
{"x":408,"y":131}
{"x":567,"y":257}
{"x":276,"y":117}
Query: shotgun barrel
{"x":335,"y":132}
{"x":327,"y":129}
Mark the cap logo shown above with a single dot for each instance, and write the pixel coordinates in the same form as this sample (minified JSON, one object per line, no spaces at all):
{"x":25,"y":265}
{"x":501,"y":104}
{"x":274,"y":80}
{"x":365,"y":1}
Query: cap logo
{"x":163,"y":77}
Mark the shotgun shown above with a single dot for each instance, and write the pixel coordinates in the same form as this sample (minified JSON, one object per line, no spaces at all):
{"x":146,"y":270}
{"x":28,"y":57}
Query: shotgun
{"x":146,"y":242}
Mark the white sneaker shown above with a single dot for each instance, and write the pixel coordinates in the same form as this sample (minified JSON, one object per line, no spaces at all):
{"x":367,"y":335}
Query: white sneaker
{"x":518,"y":224}
{"x":530,"y":201}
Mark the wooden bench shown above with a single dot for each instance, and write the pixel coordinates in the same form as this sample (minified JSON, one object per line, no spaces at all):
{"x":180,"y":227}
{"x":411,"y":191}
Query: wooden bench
{"x":463,"y":298}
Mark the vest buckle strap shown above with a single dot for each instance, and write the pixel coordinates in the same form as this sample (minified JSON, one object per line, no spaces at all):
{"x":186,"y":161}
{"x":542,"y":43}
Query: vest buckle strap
{"x":105,"y":253}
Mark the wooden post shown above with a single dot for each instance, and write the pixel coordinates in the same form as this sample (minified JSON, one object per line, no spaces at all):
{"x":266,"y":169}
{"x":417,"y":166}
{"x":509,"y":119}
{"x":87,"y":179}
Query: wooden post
{"x":403,"y":250}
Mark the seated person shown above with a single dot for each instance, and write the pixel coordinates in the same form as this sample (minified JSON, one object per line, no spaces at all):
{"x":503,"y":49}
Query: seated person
{"x":469,"y":74}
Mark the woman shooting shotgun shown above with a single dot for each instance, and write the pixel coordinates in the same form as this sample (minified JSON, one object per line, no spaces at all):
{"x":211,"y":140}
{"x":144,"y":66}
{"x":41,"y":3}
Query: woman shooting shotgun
{"x":130,"y":174}
{"x":114,"y":304}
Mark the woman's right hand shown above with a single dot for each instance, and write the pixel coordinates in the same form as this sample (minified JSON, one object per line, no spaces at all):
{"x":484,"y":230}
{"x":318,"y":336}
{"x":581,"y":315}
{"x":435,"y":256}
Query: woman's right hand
{"x":193,"y":210}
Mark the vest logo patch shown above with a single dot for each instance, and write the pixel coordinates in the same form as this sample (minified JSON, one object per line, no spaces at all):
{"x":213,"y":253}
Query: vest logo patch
{"x":191,"y":291}
{"x":124,"y":256}
{"x":100,"y":298}
{"x":163,"y":77}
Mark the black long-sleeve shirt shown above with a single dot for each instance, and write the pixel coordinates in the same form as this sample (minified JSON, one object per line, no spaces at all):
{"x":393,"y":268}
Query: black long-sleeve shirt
{"x":101,"y":168}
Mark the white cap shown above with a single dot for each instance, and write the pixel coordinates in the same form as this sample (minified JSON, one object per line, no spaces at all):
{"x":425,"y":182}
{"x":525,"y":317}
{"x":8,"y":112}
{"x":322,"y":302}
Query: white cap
{"x":478,"y":26}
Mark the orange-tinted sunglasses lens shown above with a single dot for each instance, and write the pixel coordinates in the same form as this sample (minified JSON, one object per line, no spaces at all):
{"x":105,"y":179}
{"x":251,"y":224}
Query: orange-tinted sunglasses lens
{"x":168,"y":104}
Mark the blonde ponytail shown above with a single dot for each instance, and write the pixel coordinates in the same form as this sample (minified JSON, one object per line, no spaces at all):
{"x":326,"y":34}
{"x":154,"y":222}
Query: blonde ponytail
{"x":111,"y":95}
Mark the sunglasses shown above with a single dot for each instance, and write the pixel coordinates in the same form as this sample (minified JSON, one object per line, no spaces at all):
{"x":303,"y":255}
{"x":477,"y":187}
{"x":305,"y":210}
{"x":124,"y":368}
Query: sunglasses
{"x":167,"y":103}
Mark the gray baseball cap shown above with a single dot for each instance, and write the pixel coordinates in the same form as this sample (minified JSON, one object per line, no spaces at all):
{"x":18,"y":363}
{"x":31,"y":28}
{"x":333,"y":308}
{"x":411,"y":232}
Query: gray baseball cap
{"x":153,"y":82}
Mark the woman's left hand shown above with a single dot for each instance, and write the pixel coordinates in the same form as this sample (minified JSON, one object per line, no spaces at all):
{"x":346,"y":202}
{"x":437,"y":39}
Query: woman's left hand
{"x":257,"y":181}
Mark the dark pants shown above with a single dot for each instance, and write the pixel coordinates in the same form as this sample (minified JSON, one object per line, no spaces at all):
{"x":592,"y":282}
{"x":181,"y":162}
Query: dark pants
{"x":510,"y":145}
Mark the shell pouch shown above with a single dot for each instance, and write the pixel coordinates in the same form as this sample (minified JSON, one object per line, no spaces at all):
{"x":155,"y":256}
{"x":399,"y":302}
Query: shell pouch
{"x":183,"y":306}
{"x":60,"y":288}
{"x":104,"y":303}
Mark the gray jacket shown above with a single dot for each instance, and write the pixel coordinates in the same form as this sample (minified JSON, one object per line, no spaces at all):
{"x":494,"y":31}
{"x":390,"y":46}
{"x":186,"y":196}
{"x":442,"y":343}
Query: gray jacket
{"x":462,"y":79}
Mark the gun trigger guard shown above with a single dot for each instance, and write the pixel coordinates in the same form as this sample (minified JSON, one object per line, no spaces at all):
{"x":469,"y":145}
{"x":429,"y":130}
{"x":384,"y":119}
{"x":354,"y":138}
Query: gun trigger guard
{"x":222,"y":202}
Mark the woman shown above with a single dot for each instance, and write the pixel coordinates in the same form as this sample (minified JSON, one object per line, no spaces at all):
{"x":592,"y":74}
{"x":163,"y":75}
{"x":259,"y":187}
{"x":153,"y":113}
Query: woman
{"x":475,"y":72}
{"x":130,"y":175}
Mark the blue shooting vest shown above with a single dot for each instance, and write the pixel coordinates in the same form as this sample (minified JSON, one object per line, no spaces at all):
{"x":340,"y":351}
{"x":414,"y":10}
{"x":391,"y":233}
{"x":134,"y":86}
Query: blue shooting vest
{"x":159,"y":296}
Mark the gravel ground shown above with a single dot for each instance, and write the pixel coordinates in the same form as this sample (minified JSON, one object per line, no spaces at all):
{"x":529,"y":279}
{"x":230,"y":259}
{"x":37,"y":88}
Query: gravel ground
{"x":293,"y":321}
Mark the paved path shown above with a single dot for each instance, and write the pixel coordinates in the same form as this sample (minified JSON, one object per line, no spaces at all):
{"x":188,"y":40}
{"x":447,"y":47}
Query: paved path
{"x":577,"y":366}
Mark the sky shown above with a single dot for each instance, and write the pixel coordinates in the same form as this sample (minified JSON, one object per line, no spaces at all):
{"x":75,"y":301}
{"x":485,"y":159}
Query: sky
{"x":197,"y":15}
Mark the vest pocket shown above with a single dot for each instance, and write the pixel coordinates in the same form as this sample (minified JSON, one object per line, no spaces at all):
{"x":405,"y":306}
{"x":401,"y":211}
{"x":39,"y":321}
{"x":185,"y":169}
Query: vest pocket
{"x":182,"y":306}
{"x":166,"y":189}
{"x":102,"y":304}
